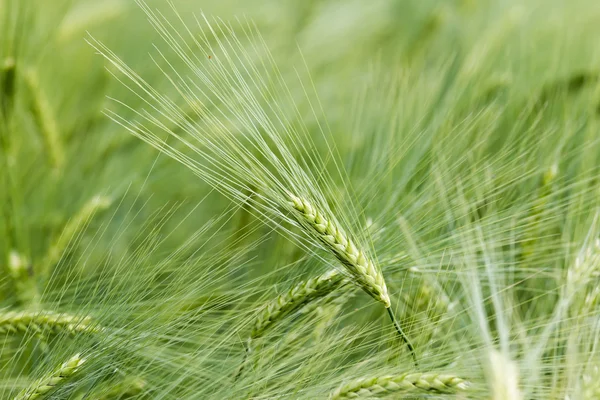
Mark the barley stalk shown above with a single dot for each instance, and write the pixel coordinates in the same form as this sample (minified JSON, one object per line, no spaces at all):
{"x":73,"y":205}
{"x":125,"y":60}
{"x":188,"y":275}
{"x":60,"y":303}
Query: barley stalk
{"x":403,"y":383}
{"x":360,"y":267}
{"x":42,"y":388}
{"x":45,"y":322}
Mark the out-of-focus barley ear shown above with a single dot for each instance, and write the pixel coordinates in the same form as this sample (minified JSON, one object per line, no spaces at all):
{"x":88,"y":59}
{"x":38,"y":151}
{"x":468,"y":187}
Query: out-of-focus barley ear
{"x":8,"y":72}
{"x":87,"y":15}
{"x":359,"y":266}
{"x":45,"y":119}
{"x":303,"y":293}
{"x":539,"y":207}
{"x":328,"y":310}
{"x":25,"y":285}
{"x":426,"y":310}
{"x":402,"y":384}
{"x":46,"y":385}
{"x":568,"y":85}
{"x":503,"y":377}
{"x":71,"y":230}
{"x":130,"y":386}
{"x":581,"y":288}
{"x":429,"y":28}
{"x":46,"y":322}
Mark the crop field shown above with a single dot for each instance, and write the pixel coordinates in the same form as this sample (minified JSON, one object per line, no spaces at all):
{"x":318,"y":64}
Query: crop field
{"x":299,"y":199}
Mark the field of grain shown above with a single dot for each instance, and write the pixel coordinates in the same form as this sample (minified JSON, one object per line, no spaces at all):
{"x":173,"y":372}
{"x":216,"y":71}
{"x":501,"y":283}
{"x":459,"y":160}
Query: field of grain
{"x":299,"y":199}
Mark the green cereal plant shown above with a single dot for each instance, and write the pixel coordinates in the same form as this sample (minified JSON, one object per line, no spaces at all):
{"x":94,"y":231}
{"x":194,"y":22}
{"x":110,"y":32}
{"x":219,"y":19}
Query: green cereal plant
{"x":297,"y":297}
{"x":75,"y":225}
{"x":360,"y":267}
{"x":20,"y":268}
{"x":590,"y":389}
{"x":46,"y":385}
{"x":300,"y":295}
{"x":45,"y":119}
{"x":381,"y":386}
{"x":129,"y":386}
{"x":45,"y":322}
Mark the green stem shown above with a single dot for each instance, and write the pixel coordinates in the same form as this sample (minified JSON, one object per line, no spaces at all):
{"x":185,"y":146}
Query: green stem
{"x":402,"y":335}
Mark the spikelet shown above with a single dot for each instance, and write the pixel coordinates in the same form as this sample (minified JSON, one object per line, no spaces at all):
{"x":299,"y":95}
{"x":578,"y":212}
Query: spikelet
{"x":45,"y":322}
{"x":361,"y":268}
{"x":46,"y":385}
{"x":398,"y":384}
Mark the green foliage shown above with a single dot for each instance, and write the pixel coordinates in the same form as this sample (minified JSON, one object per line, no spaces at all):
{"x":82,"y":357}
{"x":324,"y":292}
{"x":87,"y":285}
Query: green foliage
{"x":455,"y":141}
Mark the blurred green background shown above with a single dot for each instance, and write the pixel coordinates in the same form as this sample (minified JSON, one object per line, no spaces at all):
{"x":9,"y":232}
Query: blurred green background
{"x":485,"y":112}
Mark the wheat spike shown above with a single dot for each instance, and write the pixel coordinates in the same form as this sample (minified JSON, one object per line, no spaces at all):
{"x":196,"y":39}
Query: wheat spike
{"x":403,"y":383}
{"x":42,"y":388}
{"x":45,"y":322}
{"x":360,"y":267}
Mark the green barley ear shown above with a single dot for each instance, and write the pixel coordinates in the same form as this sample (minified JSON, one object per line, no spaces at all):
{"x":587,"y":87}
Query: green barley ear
{"x":87,"y":15}
{"x":75,"y":225}
{"x":45,"y":322}
{"x":297,"y":297}
{"x":306,"y":292}
{"x":130,"y":386}
{"x":401,"y":384}
{"x":363,"y":270}
{"x":45,"y":119}
{"x":45,"y":386}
